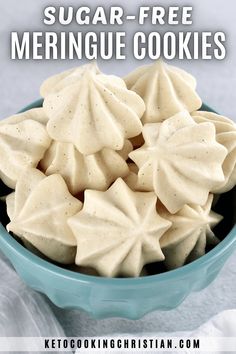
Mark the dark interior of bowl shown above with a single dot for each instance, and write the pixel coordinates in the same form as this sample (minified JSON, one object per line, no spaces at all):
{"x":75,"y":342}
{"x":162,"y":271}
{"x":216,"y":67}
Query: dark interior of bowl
{"x":225,"y":206}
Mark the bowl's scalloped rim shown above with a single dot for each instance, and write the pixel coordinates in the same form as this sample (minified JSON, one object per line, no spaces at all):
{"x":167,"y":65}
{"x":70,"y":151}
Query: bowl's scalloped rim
{"x":15,"y":247}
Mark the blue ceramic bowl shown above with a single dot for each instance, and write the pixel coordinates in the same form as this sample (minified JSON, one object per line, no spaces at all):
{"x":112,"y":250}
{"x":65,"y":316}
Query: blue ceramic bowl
{"x":128,"y":297}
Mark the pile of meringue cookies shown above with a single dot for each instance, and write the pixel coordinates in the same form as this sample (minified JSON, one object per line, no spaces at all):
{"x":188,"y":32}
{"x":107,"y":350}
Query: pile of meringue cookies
{"x":112,"y":174}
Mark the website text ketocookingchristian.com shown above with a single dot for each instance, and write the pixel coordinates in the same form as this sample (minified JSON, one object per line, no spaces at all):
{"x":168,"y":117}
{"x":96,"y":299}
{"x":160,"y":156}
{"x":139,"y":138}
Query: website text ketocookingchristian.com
{"x":124,"y":344}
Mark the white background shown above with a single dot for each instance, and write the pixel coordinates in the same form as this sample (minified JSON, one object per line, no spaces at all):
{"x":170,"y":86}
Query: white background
{"x":20,"y":81}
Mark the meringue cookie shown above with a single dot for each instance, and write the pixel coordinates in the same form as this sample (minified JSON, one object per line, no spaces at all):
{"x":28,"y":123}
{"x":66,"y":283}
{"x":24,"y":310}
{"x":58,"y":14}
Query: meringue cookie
{"x":10,"y":202}
{"x":36,"y":114}
{"x":225,"y":135}
{"x":118,"y":231}
{"x":96,"y":171}
{"x":165,"y":89}
{"x":189,"y":234}
{"x":95,"y":112}
{"x":39,"y":209}
{"x":127,"y":148}
{"x":22,"y":145}
{"x":180,"y":160}
{"x":132,"y":178}
{"x":57,"y":82}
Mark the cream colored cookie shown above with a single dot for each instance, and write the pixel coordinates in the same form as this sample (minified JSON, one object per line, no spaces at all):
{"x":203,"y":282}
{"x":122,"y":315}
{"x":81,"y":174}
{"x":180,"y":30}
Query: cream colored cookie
{"x":127,"y":148}
{"x":59,"y":81}
{"x":180,"y":160}
{"x":36,"y":114}
{"x":96,"y":171}
{"x":165,"y":89}
{"x":189,"y":234}
{"x":22,"y":145}
{"x":225,"y":135}
{"x":95,"y":112}
{"x":132,"y":178}
{"x":38,"y":212}
{"x":118,"y":231}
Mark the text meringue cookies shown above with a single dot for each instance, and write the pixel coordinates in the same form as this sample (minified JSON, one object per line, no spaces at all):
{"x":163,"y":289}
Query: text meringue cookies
{"x":146,"y":159}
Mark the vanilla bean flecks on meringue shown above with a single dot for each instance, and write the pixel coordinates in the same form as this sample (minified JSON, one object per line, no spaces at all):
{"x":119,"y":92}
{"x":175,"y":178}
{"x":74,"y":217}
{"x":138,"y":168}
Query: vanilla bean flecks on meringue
{"x":23,"y":143}
{"x":59,"y":81}
{"x":38,"y":212}
{"x":95,"y":171}
{"x":189,"y":234}
{"x":225,"y":135}
{"x":180,"y":160}
{"x":95,"y":112}
{"x":118,"y":231}
{"x":165,"y":89}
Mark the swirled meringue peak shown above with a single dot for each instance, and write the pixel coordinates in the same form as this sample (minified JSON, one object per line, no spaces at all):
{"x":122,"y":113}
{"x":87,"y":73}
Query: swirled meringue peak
{"x":96,"y":171}
{"x":190,"y":233}
{"x":23,"y":142}
{"x":180,"y":160}
{"x":165,"y":89}
{"x":95,"y":112}
{"x":118,"y":231}
{"x":39,"y":209}
{"x":57,"y":82}
{"x":225,"y":135}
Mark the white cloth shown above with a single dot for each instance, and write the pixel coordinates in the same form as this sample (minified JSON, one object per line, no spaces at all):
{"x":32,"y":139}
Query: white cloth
{"x":23,"y":312}
{"x":220,"y":325}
